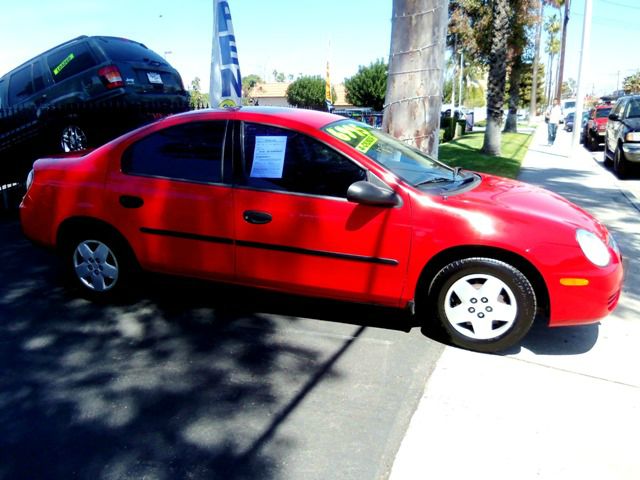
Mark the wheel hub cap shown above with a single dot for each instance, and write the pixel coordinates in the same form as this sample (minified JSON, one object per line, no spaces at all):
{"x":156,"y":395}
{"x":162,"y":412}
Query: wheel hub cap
{"x":95,"y":265}
{"x":480,"y":307}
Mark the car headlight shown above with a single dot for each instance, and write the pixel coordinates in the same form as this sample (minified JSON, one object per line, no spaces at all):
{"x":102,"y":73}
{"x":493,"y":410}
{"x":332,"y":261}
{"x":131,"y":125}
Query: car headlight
{"x":632,"y":137}
{"x":593,"y":248}
{"x":29,"y":179}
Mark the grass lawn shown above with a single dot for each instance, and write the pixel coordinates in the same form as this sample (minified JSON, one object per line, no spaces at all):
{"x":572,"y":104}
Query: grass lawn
{"x":464,"y":152}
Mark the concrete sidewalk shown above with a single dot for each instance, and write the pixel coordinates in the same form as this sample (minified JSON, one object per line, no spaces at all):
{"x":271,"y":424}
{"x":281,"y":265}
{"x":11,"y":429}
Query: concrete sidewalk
{"x":564,"y":405}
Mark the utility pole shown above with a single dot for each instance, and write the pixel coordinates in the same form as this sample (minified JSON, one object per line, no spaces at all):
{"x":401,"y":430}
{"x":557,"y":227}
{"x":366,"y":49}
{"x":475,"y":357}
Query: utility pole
{"x":586,"y":37}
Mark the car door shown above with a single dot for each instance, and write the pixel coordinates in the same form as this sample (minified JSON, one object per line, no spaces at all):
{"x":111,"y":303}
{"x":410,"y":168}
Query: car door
{"x":614,"y":126}
{"x":296,"y":231}
{"x":168,"y":196}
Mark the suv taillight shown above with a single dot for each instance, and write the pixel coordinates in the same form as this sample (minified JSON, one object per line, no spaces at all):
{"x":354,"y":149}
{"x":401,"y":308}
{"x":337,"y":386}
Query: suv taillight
{"x":111,"y":77}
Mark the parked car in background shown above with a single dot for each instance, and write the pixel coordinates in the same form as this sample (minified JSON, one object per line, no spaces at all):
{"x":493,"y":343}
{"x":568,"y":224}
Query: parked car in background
{"x":596,"y":126}
{"x":85,"y":92}
{"x":568,"y":106}
{"x":568,"y":122}
{"x":311,"y":203}
{"x":622,"y":135}
{"x":583,"y":129}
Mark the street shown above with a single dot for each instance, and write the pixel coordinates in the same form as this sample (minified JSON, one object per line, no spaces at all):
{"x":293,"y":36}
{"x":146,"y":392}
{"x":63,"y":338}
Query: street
{"x":197,"y":380}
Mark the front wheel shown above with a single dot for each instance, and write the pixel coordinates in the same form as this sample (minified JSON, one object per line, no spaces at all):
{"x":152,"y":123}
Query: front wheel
{"x":620,"y":164}
{"x":483,"y":304}
{"x":73,"y":138}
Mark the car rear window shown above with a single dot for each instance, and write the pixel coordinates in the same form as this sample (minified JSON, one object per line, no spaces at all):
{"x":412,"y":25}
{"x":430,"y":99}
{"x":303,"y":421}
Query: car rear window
{"x":70,"y":60}
{"x":603,"y":112}
{"x":123,"y":50}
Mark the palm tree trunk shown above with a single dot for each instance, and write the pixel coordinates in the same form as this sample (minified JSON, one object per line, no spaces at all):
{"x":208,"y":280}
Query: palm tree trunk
{"x":536,"y":59}
{"x":497,"y":74}
{"x":416,"y":72}
{"x":567,"y":5}
{"x":511,"y":125}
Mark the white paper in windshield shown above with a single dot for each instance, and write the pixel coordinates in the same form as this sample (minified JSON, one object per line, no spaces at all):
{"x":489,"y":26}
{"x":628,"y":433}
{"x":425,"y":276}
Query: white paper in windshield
{"x":268,"y":157}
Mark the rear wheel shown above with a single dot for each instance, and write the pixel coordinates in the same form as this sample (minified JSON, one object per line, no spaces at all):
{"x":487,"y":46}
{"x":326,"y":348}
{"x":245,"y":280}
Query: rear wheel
{"x":97,"y":264}
{"x":483,"y":304}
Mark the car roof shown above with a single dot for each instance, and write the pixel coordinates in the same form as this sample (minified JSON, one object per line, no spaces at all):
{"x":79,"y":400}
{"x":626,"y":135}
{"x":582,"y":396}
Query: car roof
{"x":311,"y":118}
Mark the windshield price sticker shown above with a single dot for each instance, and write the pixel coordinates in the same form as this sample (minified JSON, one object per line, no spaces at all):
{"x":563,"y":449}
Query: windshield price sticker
{"x":368,"y":142}
{"x":359,"y":138}
{"x":63,"y":63}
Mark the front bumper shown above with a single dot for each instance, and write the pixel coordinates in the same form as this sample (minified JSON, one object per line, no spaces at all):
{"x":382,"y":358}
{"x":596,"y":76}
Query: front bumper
{"x":578,"y":305}
{"x":631,"y":152}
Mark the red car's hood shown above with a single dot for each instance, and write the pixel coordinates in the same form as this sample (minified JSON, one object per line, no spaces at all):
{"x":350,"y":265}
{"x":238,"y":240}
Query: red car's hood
{"x":515,"y":202}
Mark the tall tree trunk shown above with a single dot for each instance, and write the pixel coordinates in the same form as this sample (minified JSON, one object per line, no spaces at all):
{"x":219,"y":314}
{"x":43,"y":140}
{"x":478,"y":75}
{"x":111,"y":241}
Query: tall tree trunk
{"x":416,"y":72}
{"x":511,"y":125}
{"x":567,"y":5}
{"x":497,"y":74}
{"x":536,"y":60}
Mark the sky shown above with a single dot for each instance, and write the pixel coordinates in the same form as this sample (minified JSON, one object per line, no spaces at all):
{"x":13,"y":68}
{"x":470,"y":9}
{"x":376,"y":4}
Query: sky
{"x":290,"y":36}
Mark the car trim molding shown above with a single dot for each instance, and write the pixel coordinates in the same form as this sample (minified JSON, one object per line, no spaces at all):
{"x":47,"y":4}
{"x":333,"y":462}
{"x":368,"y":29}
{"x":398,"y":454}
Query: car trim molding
{"x":185,"y":235}
{"x":270,"y":246}
{"x":319,"y":253}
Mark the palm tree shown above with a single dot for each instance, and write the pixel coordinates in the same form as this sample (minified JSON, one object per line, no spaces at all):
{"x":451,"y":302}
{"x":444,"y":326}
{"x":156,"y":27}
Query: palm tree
{"x":416,"y":69}
{"x":552,"y":27}
{"x":500,"y":13}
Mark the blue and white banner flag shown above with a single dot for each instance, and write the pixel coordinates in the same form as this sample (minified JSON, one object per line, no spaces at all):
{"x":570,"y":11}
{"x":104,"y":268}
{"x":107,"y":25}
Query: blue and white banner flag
{"x":225,"y":89}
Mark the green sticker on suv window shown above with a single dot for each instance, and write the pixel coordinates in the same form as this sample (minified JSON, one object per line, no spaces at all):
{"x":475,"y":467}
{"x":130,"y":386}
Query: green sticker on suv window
{"x":63,"y":63}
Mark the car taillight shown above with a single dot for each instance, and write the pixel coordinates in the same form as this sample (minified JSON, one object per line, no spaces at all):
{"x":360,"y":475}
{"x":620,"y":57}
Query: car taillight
{"x":111,"y":77}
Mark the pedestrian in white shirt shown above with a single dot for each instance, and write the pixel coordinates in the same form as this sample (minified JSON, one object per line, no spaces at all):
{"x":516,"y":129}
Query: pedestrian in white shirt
{"x":554,"y":114}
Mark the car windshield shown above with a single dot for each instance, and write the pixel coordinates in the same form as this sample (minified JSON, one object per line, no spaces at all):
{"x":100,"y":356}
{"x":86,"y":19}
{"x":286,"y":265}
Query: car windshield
{"x":603,"y":112}
{"x":634,"y":109}
{"x":569,"y":105}
{"x":408,"y":163}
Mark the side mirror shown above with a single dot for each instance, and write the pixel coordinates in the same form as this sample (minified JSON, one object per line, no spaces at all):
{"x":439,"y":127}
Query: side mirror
{"x":367,"y":193}
{"x":613,"y":116}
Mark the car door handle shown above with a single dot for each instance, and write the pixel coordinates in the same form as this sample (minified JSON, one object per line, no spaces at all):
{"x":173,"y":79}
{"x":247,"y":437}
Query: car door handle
{"x":258,"y":218}
{"x":130,"y":201}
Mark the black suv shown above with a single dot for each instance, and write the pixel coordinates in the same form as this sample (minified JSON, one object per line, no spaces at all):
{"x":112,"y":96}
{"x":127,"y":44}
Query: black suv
{"x":75,"y":90}
{"x":622,"y":136}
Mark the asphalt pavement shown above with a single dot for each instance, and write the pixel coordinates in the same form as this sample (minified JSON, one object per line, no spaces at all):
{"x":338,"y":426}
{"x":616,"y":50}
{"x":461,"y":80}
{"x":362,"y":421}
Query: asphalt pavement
{"x":566,"y":403}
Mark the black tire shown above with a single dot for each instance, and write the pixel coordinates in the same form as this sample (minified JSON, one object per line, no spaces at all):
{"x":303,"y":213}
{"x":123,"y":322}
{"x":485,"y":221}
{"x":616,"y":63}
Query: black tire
{"x":97,"y":264}
{"x":620,"y":164}
{"x":73,"y":137}
{"x":482,"y":304}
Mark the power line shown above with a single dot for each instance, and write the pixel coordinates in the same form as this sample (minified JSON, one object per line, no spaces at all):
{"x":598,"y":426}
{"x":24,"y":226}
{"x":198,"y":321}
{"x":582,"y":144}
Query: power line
{"x":632,"y":7}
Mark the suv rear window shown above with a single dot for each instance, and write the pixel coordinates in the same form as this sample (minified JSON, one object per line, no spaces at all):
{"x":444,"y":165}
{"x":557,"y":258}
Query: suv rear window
{"x":123,"y":50}
{"x":70,"y":60}
{"x":603,"y":112}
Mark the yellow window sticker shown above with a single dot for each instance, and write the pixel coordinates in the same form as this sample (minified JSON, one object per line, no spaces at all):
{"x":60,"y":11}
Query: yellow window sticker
{"x":63,"y":63}
{"x":368,"y":142}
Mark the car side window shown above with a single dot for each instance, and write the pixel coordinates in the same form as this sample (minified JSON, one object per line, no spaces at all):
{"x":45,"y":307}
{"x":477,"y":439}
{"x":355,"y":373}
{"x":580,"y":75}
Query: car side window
{"x":280,"y":159}
{"x":39,"y":81}
{"x":20,"y":86}
{"x":190,"y":152}
{"x":69,"y":61}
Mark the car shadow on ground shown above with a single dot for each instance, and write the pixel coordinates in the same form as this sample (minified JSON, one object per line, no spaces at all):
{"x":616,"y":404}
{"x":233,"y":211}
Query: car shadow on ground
{"x":182,"y":379}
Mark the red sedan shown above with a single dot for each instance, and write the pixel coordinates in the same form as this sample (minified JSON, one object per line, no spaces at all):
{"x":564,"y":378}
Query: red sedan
{"x":314,"y":204}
